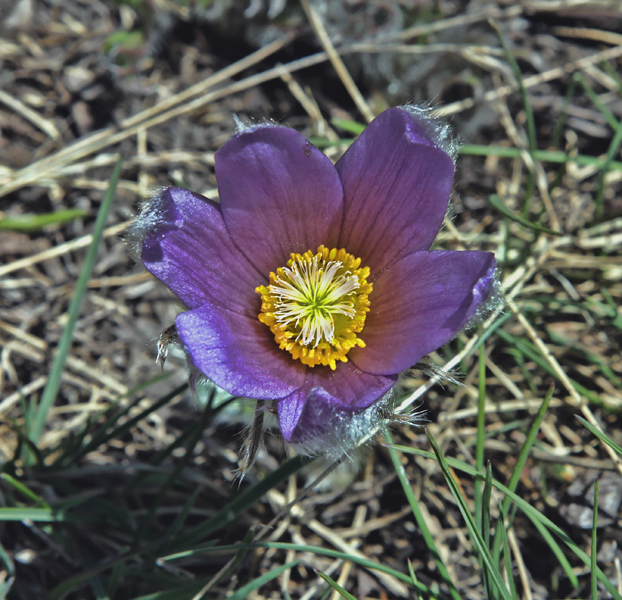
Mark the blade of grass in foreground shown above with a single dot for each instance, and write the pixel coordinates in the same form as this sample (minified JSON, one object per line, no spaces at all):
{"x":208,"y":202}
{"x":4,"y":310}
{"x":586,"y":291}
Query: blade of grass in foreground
{"x":594,"y":579}
{"x":547,"y":156}
{"x":195,"y":591}
{"x":421,"y":522}
{"x":64,"y":346}
{"x":600,"y":435}
{"x":244,"y":591}
{"x":349,"y":126}
{"x":506,"y":552}
{"x":24,"y":490}
{"x":481,"y":436}
{"x":415,"y":583}
{"x":530,"y":351}
{"x":185,"y":592}
{"x":523,"y":455}
{"x":335,"y":586}
{"x":485,"y":526}
{"x":39,"y":515}
{"x":598,"y":103}
{"x":363,"y":562}
{"x":497,"y":203}
{"x":63,"y":589}
{"x":180,"y":465}
{"x":9,"y":569}
{"x":613,"y":147}
{"x":476,"y":538}
{"x":600,"y":191}
{"x":31,"y":223}
{"x":552,"y":156}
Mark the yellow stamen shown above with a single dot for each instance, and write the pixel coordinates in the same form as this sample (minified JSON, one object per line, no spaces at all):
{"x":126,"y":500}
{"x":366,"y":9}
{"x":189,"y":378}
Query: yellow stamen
{"x":316,"y":305}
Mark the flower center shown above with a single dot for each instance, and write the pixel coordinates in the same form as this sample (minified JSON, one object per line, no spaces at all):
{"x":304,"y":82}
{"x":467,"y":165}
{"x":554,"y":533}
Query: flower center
{"x":316,"y":305}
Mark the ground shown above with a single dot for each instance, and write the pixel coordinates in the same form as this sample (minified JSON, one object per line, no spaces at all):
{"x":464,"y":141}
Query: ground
{"x":120,"y":466}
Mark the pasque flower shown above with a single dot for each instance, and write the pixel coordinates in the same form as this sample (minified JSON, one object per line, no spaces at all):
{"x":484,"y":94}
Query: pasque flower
{"x":311,"y":284}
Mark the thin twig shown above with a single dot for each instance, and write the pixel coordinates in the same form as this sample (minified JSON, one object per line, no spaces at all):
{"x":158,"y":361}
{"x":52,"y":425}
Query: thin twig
{"x":33,"y":116}
{"x":336,"y":61}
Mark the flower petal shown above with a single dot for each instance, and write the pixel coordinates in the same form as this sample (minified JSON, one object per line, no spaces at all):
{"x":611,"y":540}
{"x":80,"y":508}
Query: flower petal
{"x":279,"y":195}
{"x":191,"y":252}
{"x":308,"y":412}
{"x":419,"y":304}
{"x":238,"y":353}
{"x":396,"y":186}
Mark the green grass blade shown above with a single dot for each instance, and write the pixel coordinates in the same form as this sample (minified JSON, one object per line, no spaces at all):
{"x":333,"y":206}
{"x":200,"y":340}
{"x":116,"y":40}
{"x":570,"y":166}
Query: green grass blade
{"x":363,"y":562}
{"x":481,"y":435}
{"x":9,"y":568}
{"x":491,"y":329}
{"x":557,"y":551}
{"x":598,"y":103}
{"x":413,"y":577}
{"x":498,"y":205}
{"x":613,"y":147}
{"x":246,"y":590}
{"x":593,"y":578}
{"x":486,"y":497}
{"x":51,"y":389}
{"x":507,"y":557}
{"x":421,"y":522}
{"x":335,"y":586}
{"x":600,"y":191}
{"x":184,"y":592}
{"x":64,"y":588}
{"x":24,"y":490}
{"x":159,"y":457}
{"x":532,"y":434}
{"x":31,"y":223}
{"x":485,"y":525}
{"x":546,"y":156}
{"x":612,"y":73}
{"x":96,"y":584}
{"x":322,"y":143}
{"x":521,"y":460}
{"x":40,"y":515}
{"x":475,"y":535}
{"x":182,"y":515}
{"x":552,"y":156}
{"x":349,"y":126}
{"x":601,"y":436}
{"x":531,"y":352}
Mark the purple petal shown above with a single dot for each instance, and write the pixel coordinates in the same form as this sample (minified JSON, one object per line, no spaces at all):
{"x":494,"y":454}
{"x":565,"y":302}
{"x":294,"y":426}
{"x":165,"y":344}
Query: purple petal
{"x":396,"y":186}
{"x":238,"y":353}
{"x":310,"y":411}
{"x":191,"y":252}
{"x":419,"y":304}
{"x":279,"y":195}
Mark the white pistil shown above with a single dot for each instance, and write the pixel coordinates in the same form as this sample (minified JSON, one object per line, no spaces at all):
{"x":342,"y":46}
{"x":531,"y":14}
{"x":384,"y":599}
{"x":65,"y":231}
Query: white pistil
{"x":310,"y":294}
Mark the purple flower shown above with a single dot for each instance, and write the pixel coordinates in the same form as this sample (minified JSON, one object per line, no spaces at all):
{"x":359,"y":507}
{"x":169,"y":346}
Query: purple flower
{"x":312,"y":284}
